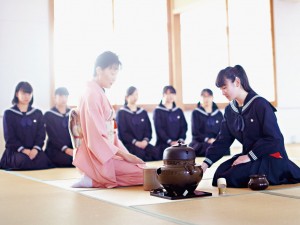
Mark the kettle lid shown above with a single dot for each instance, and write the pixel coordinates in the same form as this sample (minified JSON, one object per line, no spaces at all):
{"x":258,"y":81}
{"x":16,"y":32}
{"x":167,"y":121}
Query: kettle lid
{"x":179,"y":152}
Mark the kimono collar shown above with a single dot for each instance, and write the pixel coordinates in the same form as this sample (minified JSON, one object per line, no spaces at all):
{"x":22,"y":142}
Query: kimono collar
{"x":127,"y":109}
{"x":55,"y":111}
{"x":200,"y":109}
{"x":95,"y":84}
{"x":16,"y":110}
{"x":163,"y":107}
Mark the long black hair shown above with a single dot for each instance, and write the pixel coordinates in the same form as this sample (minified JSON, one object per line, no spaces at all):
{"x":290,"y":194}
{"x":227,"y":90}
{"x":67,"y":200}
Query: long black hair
{"x":231,"y":73}
{"x":106,"y":59}
{"x":25,"y":87}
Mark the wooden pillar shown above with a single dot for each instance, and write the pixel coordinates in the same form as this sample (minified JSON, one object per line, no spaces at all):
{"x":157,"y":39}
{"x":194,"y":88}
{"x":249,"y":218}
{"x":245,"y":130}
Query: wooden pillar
{"x":174,"y":43}
{"x":275,"y":103}
{"x":51,"y":51}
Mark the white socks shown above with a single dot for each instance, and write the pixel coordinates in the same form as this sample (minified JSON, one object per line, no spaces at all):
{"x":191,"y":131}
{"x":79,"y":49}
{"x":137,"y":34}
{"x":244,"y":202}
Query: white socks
{"x":84,"y":182}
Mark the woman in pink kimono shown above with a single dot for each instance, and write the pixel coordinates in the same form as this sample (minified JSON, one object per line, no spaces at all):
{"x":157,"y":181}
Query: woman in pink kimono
{"x":104,"y":161}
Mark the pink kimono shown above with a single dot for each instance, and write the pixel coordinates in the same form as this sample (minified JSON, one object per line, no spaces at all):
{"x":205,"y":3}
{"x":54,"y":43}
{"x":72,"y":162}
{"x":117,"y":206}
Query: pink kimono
{"x":96,"y":155}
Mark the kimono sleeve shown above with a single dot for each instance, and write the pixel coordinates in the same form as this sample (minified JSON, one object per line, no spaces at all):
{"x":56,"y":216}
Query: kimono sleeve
{"x":222,"y":143}
{"x":94,"y":123}
{"x":12,"y":141}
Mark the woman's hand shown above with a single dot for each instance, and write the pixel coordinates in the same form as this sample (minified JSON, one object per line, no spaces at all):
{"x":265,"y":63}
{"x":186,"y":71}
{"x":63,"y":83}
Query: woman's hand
{"x":33,"y":153}
{"x":132,"y":159}
{"x":241,"y":159}
{"x":204,"y":166}
{"x":129,"y":157}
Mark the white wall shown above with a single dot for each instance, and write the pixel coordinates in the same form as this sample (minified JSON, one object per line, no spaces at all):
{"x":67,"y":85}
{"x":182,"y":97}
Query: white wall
{"x":24,"y":49}
{"x":287,"y":43}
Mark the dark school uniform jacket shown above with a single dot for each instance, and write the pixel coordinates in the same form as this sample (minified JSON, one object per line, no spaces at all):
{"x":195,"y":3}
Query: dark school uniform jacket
{"x":59,"y":138}
{"x":23,"y":130}
{"x":254,"y":126}
{"x":170,"y":124}
{"x":133,"y":126}
{"x":206,"y":125}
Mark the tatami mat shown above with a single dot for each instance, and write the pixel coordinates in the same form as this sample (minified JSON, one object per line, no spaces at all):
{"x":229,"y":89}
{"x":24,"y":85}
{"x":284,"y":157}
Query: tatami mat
{"x":251,"y":209}
{"x":126,"y":196}
{"x":291,"y":192}
{"x":51,"y":174}
{"x":46,"y":197}
{"x":28,"y":202}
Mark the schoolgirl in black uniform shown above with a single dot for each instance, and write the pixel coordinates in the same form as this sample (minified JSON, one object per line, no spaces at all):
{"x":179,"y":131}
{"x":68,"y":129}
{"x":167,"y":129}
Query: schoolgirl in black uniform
{"x":251,"y":120}
{"x":134,"y":128}
{"x":24,"y":133}
{"x":59,"y":146}
{"x":206,"y":123}
{"x":169,"y":121}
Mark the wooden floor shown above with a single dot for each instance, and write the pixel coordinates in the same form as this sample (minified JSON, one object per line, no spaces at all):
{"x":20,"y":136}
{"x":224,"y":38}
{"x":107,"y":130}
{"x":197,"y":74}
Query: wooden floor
{"x":45,"y":197}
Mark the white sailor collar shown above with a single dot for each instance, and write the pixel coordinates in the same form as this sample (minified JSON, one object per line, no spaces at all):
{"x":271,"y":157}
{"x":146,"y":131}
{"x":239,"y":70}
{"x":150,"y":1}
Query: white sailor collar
{"x":126,"y":109}
{"x":233,"y":104}
{"x":17,"y":111}
{"x":201,"y":110}
{"x":57,"y":113}
{"x":167,"y":110}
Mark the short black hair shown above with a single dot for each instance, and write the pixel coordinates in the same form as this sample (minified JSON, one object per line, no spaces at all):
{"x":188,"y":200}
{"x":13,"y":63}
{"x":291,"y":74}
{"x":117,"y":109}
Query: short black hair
{"x":169,"y":88}
{"x":208,"y":91}
{"x":129,"y":92}
{"x":106,"y":59}
{"x":61,"y":91}
{"x":25,"y":87}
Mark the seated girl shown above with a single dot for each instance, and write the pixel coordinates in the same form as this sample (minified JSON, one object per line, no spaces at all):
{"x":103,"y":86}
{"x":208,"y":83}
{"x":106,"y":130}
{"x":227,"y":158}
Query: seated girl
{"x":206,"y":123}
{"x":134,"y":128}
{"x":251,"y":120}
{"x":169,"y":121}
{"x":59,"y":147}
{"x":24,"y":133}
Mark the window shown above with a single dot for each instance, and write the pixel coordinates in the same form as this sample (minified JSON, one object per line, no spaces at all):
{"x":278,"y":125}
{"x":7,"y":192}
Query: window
{"x":135,"y":30}
{"x":207,"y":47}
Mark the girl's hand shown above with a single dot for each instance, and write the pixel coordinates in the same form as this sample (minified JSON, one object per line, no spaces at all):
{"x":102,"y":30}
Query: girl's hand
{"x":204,"y":166}
{"x":33,"y":153}
{"x":69,"y":151}
{"x":26,"y":151}
{"x":241,"y":159}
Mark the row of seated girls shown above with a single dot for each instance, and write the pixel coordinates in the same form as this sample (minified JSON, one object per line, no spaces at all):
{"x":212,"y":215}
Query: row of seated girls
{"x":134,"y":127}
{"x":135,"y":131}
{"x":25,"y":132}
{"x":106,"y":163}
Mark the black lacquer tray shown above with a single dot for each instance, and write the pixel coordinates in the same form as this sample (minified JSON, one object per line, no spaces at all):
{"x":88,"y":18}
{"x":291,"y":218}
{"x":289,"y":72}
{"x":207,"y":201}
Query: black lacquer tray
{"x":161,"y":193}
